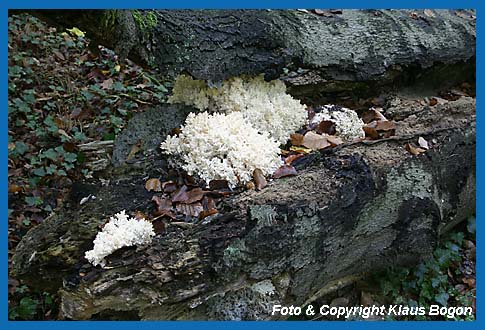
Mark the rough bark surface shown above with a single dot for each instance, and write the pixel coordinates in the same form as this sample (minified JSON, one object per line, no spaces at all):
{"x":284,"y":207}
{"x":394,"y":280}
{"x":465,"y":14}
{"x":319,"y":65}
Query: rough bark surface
{"x":350,"y":46}
{"x":357,"y":209}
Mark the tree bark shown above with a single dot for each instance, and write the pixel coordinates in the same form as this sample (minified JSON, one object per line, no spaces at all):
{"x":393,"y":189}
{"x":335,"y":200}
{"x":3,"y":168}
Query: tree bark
{"x":339,"y":46}
{"x":357,"y":209}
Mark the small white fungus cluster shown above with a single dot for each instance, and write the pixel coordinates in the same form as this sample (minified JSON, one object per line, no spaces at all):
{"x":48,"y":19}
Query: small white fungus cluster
{"x":120,"y":231}
{"x":223,"y":146}
{"x":265,"y":105}
{"x":347,"y":124}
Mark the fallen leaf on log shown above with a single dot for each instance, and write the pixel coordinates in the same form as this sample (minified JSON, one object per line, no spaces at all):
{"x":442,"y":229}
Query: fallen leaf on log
{"x":139,"y":215}
{"x":192,"y":210}
{"x":194,"y":195}
{"x":373,"y":115}
{"x":259,"y":179}
{"x":209,"y":206}
{"x":163,"y":207}
{"x":218,"y":184}
{"x":291,"y":158}
{"x":315,"y":141}
{"x":334,"y":140}
{"x":371,"y":132}
{"x":296,"y":139}
{"x":285,"y":170}
{"x":414,"y":150}
{"x":301,"y":150}
{"x":326,"y":127}
{"x":180,"y":195}
{"x":205,"y":213}
{"x":134,"y":149}
{"x":158,"y":226}
{"x":384,"y":125}
{"x":153,"y":185}
{"x":169,"y":187}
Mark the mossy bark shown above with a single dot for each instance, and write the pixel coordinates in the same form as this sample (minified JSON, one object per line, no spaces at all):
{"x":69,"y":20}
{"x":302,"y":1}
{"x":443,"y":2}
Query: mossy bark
{"x":357,"y":209}
{"x":360,"y":51}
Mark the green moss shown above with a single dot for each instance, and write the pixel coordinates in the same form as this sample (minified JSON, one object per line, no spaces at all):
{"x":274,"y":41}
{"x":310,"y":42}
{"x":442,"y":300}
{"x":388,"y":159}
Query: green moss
{"x":146,"y":21}
{"x":108,"y":20}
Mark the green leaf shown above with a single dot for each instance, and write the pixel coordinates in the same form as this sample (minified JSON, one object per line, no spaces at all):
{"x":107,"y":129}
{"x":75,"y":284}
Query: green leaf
{"x":39,"y":171}
{"x":442,"y":298}
{"x":50,"y":154}
{"x":116,"y":121}
{"x":51,"y":125}
{"x":20,"y":148}
{"x":27,"y":308}
{"x":70,"y":157}
{"x":33,"y":201}
{"x":118,"y":86}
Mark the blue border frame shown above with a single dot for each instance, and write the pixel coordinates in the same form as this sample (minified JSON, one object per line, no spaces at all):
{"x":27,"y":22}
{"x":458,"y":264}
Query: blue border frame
{"x":140,"y":4}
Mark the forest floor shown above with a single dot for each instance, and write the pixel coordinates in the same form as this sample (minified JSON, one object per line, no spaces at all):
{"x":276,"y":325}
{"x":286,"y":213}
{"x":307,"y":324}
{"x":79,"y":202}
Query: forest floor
{"x":66,"y":96}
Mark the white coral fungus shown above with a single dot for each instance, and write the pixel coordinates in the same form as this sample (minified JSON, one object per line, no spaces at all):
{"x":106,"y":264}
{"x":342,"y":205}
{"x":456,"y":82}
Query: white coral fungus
{"x":223,"y":146}
{"x":120,"y":231}
{"x":347,"y":124}
{"x":265,"y":105}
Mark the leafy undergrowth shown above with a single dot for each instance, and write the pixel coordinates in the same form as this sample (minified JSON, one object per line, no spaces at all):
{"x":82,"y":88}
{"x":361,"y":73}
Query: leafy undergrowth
{"x":444,"y":279}
{"x":61,"y":96}
{"x":447,"y":278}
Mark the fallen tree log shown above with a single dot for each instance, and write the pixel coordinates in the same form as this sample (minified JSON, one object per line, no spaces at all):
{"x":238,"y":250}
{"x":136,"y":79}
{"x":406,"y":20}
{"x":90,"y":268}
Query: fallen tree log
{"x":358,"y":51}
{"x":359,"y":208}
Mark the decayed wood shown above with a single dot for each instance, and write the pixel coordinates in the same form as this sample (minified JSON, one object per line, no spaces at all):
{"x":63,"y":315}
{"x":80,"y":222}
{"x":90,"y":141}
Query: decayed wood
{"x":357,"y":209}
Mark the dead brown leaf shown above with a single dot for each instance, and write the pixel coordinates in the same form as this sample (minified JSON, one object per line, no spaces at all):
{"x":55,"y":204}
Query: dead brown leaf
{"x":180,"y":195}
{"x":153,"y":185}
{"x":134,"y":150}
{"x":169,"y":187}
{"x":471,"y":282}
{"x":218,"y":184}
{"x":296,"y":139}
{"x":334,"y":140}
{"x":259,"y":179}
{"x":291,"y":158}
{"x":194,"y":195}
{"x":192,"y":210}
{"x":13,"y":188}
{"x":205,"y":213}
{"x":163,"y":207}
{"x":107,"y":83}
{"x":414,"y":150}
{"x":385,"y":125}
{"x":372,"y":115}
{"x":250,"y":185}
{"x":433,"y":101}
{"x":315,"y":141}
{"x":285,"y":170}
{"x":158,"y":226}
{"x":139,"y":215}
{"x":326,"y":127}
{"x":371,"y":132}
